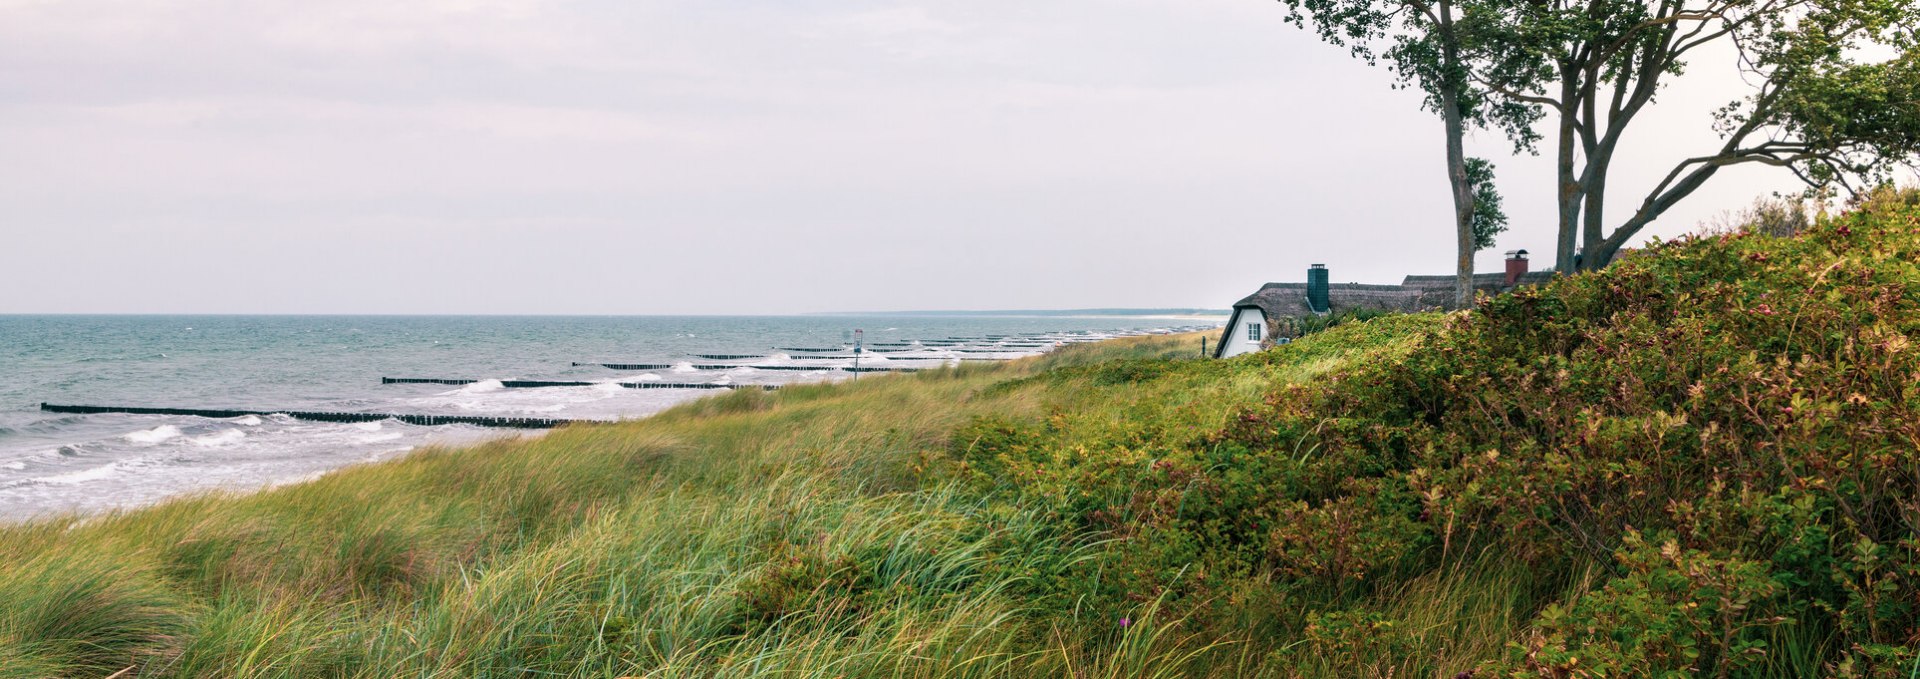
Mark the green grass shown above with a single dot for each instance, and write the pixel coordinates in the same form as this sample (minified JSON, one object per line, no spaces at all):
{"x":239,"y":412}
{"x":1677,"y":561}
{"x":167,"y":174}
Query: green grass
{"x":814,"y":531}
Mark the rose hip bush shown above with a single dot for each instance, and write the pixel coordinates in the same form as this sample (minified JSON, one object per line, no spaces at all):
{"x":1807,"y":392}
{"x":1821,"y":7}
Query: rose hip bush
{"x":1752,"y":401}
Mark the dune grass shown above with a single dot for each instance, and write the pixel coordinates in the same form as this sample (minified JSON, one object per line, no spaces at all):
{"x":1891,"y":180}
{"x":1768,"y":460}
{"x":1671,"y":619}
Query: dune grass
{"x":813,"y":531}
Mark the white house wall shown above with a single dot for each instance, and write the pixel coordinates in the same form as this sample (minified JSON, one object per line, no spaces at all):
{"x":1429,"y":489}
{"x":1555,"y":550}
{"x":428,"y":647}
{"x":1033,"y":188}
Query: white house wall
{"x":1236,"y":338}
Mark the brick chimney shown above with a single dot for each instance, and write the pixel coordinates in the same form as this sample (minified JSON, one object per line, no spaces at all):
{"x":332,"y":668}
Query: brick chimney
{"x":1516,"y":266}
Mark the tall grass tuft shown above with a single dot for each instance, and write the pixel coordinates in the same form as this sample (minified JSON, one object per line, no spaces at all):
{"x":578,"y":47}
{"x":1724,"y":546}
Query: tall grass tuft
{"x":82,"y":614}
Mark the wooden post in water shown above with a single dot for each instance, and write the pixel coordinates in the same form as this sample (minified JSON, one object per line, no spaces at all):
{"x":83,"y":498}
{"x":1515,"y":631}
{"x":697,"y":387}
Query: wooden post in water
{"x":858,"y":336}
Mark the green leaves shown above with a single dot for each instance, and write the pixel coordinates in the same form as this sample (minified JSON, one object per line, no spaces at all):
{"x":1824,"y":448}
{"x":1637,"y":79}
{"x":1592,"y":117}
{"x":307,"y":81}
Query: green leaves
{"x":1854,"y":119}
{"x":1489,"y":219}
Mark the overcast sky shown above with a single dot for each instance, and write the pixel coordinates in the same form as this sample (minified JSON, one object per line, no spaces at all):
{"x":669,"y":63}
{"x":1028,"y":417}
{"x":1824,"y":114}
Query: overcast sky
{"x":728,"y":156}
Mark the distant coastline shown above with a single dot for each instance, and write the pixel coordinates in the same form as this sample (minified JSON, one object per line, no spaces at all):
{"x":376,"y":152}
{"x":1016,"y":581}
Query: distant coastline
{"x":1046,"y":313}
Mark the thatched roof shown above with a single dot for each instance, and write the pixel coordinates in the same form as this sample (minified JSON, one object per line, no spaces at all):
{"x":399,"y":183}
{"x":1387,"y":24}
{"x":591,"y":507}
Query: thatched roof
{"x":1415,"y":293}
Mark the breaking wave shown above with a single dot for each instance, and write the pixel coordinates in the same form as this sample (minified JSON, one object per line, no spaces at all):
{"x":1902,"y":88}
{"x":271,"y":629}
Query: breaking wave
{"x":154,"y":435}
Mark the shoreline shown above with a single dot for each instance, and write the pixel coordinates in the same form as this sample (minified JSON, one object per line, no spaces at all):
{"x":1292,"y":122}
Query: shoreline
{"x":480,"y":438}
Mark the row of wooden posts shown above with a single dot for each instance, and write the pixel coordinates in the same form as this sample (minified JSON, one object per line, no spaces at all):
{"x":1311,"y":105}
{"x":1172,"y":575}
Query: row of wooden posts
{"x":532,"y":422}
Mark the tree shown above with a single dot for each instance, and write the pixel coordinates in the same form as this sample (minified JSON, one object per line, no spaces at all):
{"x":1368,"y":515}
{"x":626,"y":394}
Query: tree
{"x":1489,"y":213}
{"x":1818,"y":108}
{"x":1431,"y":44}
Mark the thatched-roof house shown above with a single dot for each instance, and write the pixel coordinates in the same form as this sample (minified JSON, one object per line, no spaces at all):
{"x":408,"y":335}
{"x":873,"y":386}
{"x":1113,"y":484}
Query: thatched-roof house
{"x":1268,"y":315}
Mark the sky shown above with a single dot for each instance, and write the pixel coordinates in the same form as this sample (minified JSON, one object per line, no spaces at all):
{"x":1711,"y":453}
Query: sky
{"x":732,"y":157}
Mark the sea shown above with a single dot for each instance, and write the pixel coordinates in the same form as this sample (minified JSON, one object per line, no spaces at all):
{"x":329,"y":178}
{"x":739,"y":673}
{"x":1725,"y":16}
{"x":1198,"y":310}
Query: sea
{"x":55,"y":463}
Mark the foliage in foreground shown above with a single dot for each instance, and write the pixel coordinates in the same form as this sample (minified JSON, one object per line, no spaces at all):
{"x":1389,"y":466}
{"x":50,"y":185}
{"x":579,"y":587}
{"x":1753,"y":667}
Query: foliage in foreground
{"x":1703,"y":460}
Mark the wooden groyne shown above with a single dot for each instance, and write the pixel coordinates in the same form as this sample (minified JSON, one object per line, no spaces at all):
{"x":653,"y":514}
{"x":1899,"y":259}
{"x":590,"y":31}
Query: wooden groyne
{"x":695,"y":385}
{"x":539,"y":384}
{"x":696,"y":366}
{"x":814,"y":349}
{"x":510,"y":384}
{"x":425,"y":420}
{"x":729,"y":357}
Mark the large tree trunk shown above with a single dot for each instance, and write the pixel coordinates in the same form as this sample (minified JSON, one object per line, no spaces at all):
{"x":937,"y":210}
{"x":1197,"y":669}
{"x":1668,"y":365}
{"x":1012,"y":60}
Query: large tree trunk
{"x":1462,"y":205}
{"x":1462,"y":212}
{"x":1570,"y":190}
{"x":1457,"y":160}
{"x":1595,"y":218}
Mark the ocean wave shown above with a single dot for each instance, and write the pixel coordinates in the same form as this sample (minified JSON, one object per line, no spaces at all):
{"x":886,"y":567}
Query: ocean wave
{"x":684,"y":367}
{"x":154,"y":435}
{"x":110,"y":359}
{"x":82,"y":476}
{"x":223,"y":438}
{"x":51,"y":424}
{"x":480,"y":387}
{"x":247,"y":420}
{"x":367,"y":426}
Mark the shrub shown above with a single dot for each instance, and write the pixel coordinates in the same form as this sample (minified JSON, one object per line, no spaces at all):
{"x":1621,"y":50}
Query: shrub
{"x":1675,"y":612}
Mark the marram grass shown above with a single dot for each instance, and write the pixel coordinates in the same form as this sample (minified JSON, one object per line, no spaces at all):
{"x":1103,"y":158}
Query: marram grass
{"x":815,"y":531}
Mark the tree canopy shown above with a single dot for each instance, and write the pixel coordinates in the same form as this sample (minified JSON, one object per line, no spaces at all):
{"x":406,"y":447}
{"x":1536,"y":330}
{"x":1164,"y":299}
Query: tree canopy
{"x":1835,"y":87}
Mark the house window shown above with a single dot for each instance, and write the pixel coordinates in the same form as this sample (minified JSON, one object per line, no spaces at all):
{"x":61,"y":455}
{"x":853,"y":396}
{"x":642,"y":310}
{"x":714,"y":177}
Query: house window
{"x":1253,"y":332}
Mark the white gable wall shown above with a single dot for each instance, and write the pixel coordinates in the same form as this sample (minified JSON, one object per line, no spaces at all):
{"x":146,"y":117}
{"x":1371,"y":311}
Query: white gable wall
{"x":1239,"y":339}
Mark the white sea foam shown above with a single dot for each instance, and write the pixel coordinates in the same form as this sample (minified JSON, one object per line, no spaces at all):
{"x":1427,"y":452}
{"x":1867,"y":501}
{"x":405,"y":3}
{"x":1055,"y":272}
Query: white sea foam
{"x":684,"y":367}
{"x":366,"y":426}
{"x":480,"y":387}
{"x":16,"y":465}
{"x":154,"y":435}
{"x":649,"y":377}
{"x":221,"y":438}
{"x":82,"y":476}
{"x":247,"y":420}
